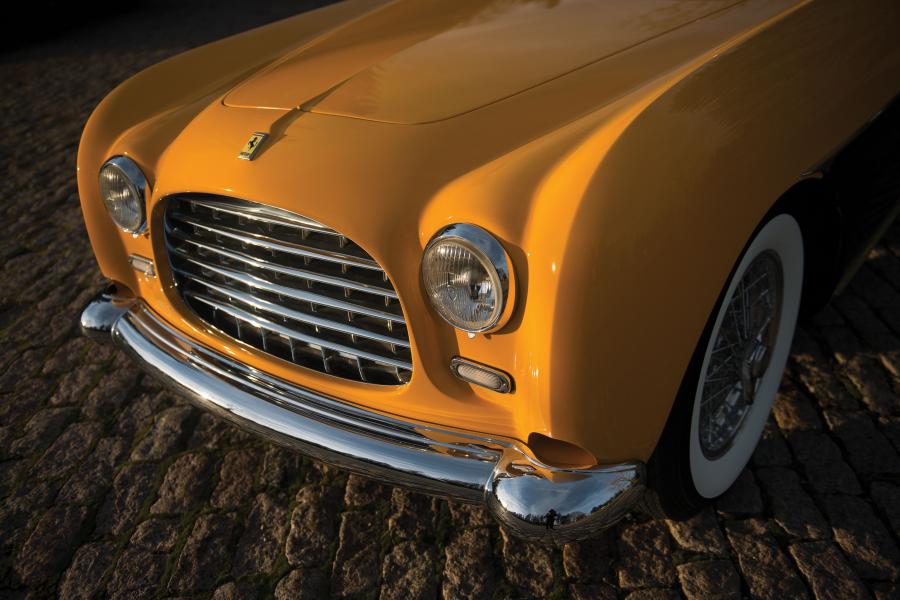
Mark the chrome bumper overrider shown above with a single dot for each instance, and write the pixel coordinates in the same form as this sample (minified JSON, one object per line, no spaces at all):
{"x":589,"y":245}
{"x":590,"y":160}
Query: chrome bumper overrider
{"x":531,"y":500}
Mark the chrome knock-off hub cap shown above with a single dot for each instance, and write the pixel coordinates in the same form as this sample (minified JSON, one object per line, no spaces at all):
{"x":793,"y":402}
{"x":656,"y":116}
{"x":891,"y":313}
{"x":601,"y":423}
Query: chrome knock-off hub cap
{"x":740,"y":353}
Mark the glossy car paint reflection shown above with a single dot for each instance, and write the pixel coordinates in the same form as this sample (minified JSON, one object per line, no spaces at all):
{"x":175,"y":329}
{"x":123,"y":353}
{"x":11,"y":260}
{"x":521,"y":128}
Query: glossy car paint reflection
{"x":623,"y":181}
{"x":443,"y":59}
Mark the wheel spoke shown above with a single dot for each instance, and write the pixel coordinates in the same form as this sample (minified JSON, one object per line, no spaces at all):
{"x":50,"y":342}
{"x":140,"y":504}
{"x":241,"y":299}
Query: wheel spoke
{"x":727,"y":393}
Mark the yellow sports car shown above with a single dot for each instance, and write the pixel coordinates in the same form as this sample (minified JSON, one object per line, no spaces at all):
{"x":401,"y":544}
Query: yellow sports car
{"x":544,"y":255}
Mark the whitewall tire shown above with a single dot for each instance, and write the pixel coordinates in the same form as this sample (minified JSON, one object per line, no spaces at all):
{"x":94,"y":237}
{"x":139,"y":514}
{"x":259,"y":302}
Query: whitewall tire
{"x":727,"y":392}
{"x":777,"y":246}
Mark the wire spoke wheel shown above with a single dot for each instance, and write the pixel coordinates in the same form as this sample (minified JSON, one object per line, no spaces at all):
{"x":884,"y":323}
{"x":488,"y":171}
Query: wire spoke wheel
{"x":742,"y":357}
{"x":741,"y":353}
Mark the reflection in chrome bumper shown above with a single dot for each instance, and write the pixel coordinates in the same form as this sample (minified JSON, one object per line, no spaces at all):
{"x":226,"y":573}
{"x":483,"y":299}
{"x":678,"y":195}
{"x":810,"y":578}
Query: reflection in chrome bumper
{"x":530,"y":499}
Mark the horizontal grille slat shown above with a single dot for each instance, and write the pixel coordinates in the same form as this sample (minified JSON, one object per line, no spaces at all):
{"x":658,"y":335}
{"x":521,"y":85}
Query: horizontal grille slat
{"x":286,"y":313}
{"x":263,"y":284}
{"x":262,"y":323}
{"x":274,"y":245}
{"x":258,"y":263}
{"x":289,"y":286}
{"x":260,"y":213}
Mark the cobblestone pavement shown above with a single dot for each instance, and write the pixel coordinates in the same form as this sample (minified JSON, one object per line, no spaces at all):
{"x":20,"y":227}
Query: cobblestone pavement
{"x":110,"y":486}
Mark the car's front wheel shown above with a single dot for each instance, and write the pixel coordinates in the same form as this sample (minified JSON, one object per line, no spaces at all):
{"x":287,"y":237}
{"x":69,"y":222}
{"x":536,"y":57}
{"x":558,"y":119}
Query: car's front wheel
{"x":727,"y":392}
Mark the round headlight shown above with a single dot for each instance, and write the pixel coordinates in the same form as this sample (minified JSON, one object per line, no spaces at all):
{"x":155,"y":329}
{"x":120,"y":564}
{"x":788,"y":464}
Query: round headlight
{"x":123,"y":188}
{"x":468,"y":278}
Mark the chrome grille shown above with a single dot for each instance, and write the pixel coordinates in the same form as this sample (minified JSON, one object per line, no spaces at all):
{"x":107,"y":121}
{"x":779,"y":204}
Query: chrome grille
{"x":289,"y":286}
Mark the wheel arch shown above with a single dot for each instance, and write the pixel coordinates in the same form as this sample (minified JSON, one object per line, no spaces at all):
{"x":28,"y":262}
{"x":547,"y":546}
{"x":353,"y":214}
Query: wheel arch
{"x":813,"y":203}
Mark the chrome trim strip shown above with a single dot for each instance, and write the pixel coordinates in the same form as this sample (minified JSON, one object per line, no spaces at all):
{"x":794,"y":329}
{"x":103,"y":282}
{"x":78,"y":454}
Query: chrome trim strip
{"x":263,"y":284}
{"x":295,"y":315}
{"x":266,"y":214}
{"x":269,"y":266}
{"x":530,"y":499}
{"x":261,"y":323}
{"x":270,"y":244}
{"x":301,"y":419}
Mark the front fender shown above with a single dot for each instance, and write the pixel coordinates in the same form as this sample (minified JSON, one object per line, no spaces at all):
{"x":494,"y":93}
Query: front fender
{"x":671,"y":185}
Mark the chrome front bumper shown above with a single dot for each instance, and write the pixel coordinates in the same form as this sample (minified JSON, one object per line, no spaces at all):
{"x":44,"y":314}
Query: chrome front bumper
{"x":531,"y":500}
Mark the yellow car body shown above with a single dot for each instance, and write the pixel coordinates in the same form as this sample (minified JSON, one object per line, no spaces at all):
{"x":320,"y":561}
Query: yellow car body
{"x":622,"y":152}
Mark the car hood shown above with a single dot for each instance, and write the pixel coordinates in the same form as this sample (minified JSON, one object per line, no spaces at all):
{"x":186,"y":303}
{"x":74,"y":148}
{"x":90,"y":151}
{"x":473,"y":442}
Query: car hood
{"x":418,"y":61}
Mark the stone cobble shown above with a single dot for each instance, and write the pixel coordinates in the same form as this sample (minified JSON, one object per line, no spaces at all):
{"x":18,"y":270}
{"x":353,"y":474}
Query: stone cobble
{"x":111,"y":487}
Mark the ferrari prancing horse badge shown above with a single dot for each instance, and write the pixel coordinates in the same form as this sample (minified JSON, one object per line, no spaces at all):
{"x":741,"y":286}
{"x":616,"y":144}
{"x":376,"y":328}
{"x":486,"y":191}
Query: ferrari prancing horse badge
{"x":248,"y":152}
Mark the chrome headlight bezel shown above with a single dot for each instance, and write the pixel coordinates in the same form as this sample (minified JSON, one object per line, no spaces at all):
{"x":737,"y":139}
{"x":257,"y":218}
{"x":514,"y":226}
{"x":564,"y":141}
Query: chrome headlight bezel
{"x":493,"y":258}
{"x":136,"y":182}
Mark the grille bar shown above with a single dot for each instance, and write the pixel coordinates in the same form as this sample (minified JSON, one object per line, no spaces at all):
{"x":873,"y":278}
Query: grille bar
{"x":264,"y":214}
{"x":277,"y":246}
{"x":289,"y":286}
{"x":259,"y":263}
{"x":257,"y":282}
{"x":282,"y":312}
{"x":271,"y":326}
